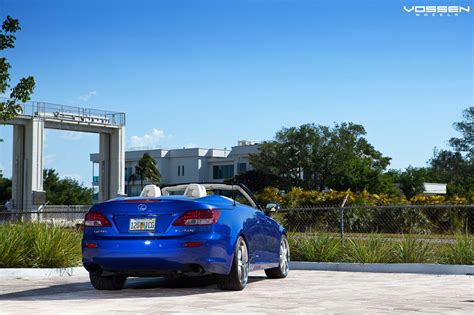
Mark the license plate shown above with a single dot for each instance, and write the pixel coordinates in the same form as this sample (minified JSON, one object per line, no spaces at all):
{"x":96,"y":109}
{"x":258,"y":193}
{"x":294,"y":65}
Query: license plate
{"x":147,"y":224}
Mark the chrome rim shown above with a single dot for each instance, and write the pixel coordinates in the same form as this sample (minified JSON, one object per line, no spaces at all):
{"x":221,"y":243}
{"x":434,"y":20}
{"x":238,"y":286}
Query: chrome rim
{"x":243,"y":262}
{"x":284,"y":256}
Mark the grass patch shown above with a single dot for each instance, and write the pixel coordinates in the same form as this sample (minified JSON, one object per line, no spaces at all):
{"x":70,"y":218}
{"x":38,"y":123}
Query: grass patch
{"x":381,"y":248}
{"x":461,"y":252}
{"x":374,"y":249}
{"x":412,"y":250}
{"x":39,"y":245}
{"x":324,"y":248}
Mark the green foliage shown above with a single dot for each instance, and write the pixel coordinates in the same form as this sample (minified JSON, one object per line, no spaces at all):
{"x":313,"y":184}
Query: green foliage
{"x":456,"y":170}
{"x":411,"y":181}
{"x":39,"y":245}
{"x":321,"y":247}
{"x":14,"y":251}
{"x":5,"y":189}
{"x":461,"y":252}
{"x":66,"y":191}
{"x":412,"y":250}
{"x":147,"y":170}
{"x":54,"y":246}
{"x":466,"y":128}
{"x":316,"y":157}
{"x":22,"y":91}
{"x":374,"y":249}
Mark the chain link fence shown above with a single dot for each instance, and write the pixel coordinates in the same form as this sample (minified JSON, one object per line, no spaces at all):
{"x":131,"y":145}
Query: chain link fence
{"x":436,"y":222}
{"x":433,"y":222}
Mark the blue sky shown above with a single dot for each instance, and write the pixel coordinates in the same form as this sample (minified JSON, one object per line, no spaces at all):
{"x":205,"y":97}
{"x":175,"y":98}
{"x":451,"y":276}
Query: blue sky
{"x":209,"y":73}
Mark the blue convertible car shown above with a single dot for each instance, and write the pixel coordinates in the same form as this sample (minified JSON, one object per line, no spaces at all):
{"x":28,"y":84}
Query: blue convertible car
{"x":183,"y":230}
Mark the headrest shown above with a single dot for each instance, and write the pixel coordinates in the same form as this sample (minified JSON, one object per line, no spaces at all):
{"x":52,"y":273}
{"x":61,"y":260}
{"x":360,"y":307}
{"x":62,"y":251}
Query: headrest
{"x":195,"y":191}
{"x":151,"y":191}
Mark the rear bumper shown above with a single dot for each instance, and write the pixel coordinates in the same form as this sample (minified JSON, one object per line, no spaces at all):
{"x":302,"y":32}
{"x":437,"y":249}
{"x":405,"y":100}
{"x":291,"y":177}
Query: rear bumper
{"x":158,"y":256}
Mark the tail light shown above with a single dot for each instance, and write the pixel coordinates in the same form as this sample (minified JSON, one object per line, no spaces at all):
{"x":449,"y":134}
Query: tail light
{"x":96,"y":219}
{"x":198,"y":217}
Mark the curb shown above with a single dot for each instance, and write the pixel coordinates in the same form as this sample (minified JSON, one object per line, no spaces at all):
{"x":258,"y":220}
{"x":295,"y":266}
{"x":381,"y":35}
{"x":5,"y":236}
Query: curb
{"x":433,"y":269}
{"x":41,"y":272}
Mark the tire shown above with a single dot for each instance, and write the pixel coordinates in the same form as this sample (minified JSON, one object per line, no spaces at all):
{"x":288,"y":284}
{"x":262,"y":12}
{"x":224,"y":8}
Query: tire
{"x":237,"y":279}
{"x":107,"y":283}
{"x":284,"y":266}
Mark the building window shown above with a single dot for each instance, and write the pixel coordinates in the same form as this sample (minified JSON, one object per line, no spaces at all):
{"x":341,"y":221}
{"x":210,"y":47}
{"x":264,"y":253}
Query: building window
{"x":241,"y":168}
{"x":222,"y":171}
{"x":179,"y":170}
{"x":182,"y":170}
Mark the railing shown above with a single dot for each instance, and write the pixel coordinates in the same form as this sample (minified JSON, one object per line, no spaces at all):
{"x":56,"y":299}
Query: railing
{"x":68,"y":216}
{"x":71,"y":113}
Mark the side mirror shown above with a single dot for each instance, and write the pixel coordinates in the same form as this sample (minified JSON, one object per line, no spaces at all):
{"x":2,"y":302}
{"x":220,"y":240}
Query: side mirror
{"x":272,"y":207}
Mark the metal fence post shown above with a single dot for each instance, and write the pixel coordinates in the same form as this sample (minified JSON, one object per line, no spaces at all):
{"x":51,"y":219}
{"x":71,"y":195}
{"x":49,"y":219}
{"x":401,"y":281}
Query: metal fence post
{"x":341,"y":218}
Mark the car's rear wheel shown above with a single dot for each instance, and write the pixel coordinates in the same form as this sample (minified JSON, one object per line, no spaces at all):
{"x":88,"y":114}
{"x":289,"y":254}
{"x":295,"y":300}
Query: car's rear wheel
{"x":237,"y":279}
{"x":284,"y":266}
{"x":107,"y":283}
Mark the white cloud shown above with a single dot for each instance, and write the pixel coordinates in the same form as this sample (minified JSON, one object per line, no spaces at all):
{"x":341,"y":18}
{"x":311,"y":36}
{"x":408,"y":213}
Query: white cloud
{"x":88,"y":96}
{"x":148,"y":140}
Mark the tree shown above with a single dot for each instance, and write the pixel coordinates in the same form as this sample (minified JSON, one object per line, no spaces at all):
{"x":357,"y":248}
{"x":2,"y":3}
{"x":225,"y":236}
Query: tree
{"x":66,"y":191}
{"x":22,"y":91}
{"x":147,"y":170}
{"x":466,"y":128}
{"x":319,"y":157}
{"x":5,"y":190}
{"x":411,"y":180}
{"x":456,"y":168}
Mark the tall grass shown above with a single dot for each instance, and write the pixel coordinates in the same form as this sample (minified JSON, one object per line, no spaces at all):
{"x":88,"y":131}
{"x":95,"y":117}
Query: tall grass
{"x":320,"y":247}
{"x":39,"y":245}
{"x":412,"y":250}
{"x":374,"y":249}
{"x":461,"y":252}
{"x":379,"y":249}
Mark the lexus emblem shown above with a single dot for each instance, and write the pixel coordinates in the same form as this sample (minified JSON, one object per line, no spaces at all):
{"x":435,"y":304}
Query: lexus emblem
{"x":142,"y":207}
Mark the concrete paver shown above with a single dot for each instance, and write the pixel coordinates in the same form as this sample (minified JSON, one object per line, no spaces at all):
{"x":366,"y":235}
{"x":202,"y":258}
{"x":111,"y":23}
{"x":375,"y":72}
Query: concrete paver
{"x":302,"y":292}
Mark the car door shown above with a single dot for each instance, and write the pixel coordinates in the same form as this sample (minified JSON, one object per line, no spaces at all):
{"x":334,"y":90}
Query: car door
{"x":272,"y":237}
{"x":254,"y":228}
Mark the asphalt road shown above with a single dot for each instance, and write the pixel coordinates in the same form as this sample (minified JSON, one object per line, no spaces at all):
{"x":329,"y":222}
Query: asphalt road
{"x":302,"y":292}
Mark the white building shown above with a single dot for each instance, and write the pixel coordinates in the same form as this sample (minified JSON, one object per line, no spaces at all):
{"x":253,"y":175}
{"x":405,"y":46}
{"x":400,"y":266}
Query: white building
{"x":187,"y":165}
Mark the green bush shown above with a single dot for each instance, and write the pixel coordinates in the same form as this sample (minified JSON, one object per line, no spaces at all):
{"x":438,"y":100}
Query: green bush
{"x":13,"y":250}
{"x":373,"y":249}
{"x":323,"y":247}
{"x":39,"y":245}
{"x":412,"y":250}
{"x":461,"y":252}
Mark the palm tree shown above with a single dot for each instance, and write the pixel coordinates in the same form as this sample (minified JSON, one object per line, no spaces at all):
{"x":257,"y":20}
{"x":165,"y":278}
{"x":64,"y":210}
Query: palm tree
{"x":147,"y":170}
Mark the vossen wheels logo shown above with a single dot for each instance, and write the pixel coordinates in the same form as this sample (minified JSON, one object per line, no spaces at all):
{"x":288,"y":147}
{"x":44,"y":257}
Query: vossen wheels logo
{"x":437,"y":10}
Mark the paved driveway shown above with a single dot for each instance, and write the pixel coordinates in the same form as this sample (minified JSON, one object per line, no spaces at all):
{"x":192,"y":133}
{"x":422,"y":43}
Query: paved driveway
{"x":302,"y":292}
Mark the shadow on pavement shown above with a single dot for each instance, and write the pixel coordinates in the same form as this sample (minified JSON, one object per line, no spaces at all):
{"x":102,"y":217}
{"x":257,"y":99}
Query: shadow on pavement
{"x":135,"y":287}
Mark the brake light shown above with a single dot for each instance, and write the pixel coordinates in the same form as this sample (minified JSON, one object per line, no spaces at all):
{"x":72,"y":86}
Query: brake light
{"x":96,"y":219}
{"x":198,"y":217}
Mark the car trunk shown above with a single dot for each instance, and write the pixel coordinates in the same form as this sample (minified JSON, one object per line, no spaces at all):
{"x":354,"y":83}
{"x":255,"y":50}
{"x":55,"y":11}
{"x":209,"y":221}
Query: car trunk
{"x":147,"y":217}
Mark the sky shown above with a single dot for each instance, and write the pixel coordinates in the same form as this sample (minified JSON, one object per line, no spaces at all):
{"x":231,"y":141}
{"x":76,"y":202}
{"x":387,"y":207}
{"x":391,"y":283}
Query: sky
{"x":210,"y":73}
